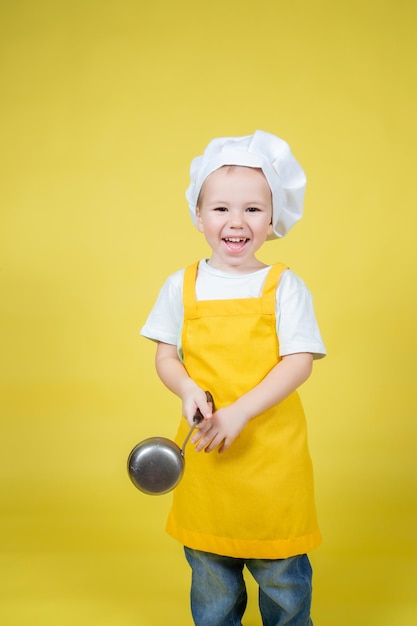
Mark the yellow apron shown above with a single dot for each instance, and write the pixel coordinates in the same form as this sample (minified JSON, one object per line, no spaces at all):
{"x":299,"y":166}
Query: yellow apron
{"x":257,"y":499}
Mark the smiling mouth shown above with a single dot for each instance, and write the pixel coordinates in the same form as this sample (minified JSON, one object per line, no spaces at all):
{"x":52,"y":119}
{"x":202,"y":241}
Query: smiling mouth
{"x":235,"y":243}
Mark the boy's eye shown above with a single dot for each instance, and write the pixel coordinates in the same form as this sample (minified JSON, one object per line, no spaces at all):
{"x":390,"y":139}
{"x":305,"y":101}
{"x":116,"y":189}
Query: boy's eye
{"x":252,"y":209}
{"x":222,"y":209}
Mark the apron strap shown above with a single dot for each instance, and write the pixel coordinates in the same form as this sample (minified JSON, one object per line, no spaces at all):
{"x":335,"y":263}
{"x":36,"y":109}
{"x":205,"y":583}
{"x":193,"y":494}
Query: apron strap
{"x":268,"y":292}
{"x":270,"y":287}
{"x":188,"y":291}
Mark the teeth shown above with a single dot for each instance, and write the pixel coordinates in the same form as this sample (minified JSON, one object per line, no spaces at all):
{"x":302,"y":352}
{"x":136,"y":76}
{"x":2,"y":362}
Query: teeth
{"x":235,"y":239}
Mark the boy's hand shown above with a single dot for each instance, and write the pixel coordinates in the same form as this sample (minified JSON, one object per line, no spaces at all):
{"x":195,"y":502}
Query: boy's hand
{"x":195,"y":399}
{"x":220,"y":430}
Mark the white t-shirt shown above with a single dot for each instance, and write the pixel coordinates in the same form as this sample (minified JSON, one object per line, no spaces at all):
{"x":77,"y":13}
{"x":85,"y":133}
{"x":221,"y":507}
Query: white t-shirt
{"x":296,"y":323}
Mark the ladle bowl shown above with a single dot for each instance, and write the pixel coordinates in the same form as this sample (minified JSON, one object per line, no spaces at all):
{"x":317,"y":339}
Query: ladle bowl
{"x":156,"y":465}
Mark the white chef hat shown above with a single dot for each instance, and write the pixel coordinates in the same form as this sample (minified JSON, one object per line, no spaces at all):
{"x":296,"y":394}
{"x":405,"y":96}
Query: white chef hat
{"x":263,"y":150}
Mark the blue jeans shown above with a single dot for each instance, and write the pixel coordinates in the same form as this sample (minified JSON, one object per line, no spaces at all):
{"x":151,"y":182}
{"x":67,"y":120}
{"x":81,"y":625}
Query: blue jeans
{"x":218,"y":591}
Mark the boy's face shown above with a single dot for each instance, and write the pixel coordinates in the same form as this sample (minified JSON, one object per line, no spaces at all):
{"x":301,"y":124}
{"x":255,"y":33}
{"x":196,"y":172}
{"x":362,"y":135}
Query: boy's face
{"x":235,"y":214}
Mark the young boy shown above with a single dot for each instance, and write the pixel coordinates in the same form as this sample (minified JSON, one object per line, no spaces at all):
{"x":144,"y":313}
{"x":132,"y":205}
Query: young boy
{"x":247,"y":333}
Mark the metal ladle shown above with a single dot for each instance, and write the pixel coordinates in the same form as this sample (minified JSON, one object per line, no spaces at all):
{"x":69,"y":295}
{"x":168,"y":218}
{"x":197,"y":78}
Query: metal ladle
{"x":156,"y":465}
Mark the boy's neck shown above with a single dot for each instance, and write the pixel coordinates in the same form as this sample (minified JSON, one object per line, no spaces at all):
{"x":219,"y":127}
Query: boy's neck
{"x":246,"y":268}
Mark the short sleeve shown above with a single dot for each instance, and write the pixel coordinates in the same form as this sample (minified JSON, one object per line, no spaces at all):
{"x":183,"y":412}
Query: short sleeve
{"x":297,"y":326}
{"x":165,"y":320}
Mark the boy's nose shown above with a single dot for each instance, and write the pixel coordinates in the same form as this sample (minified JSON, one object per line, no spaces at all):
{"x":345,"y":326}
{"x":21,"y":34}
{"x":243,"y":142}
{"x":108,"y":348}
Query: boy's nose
{"x":236,"y":219}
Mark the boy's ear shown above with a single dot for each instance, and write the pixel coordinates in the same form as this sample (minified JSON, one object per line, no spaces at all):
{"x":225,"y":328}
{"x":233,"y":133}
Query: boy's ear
{"x":199,"y":221}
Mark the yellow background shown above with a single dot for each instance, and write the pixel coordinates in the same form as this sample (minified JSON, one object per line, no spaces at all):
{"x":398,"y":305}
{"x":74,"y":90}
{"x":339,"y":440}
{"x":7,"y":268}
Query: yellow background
{"x":103,"y":104}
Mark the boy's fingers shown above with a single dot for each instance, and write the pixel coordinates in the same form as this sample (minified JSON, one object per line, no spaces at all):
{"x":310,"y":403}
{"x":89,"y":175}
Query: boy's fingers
{"x":204,"y":410}
{"x":210,"y":405}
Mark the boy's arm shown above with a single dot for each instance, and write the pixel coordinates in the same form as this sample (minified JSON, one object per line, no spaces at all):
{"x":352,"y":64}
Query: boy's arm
{"x":289,"y":374}
{"x":222,"y":428}
{"x":226,"y":424}
{"x":174,"y":376}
